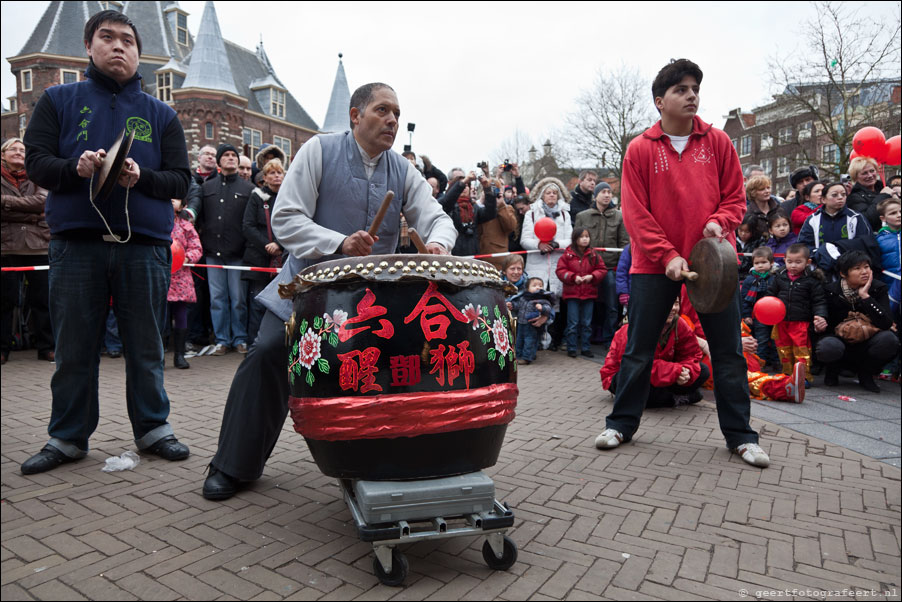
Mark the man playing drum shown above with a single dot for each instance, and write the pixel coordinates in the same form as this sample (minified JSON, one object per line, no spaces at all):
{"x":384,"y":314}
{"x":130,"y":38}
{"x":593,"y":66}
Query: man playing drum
{"x":330,"y":195}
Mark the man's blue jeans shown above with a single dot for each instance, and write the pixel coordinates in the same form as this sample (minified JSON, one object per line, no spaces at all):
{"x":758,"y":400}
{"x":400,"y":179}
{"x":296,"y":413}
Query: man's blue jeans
{"x":83,"y":277}
{"x":228,"y":304}
{"x":651,"y":298}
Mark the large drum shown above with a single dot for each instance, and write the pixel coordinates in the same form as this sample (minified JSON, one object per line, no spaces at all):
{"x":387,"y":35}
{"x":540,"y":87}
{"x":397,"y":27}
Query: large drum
{"x":401,"y":366}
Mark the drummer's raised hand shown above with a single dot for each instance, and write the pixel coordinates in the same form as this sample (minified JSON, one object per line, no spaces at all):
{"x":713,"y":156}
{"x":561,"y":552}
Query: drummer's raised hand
{"x":712,"y":230}
{"x":675,"y":267}
{"x":130,"y":175}
{"x":358,"y":244}
{"x":89,"y":162}
{"x":435,"y":248}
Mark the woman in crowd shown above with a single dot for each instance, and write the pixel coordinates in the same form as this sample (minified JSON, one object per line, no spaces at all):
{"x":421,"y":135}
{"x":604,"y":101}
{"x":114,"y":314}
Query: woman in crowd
{"x":858,"y":331}
{"x":548,"y":195}
{"x":261,"y":249}
{"x":812,"y":196}
{"x":25,"y":239}
{"x":761,"y":203}
{"x":868,"y":190}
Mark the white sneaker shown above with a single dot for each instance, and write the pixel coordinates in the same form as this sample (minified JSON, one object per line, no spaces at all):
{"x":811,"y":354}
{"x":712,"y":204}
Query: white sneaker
{"x":751,"y":453}
{"x":608,"y":439}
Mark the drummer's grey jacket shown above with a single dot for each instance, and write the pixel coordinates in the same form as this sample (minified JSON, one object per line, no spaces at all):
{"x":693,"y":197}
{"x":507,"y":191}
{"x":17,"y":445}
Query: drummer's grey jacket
{"x":334,"y":189}
{"x":88,"y":115}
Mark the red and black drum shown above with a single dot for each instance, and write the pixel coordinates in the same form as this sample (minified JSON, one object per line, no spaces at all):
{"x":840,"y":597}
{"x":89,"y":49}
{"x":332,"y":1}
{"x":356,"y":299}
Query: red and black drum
{"x":401,"y":366}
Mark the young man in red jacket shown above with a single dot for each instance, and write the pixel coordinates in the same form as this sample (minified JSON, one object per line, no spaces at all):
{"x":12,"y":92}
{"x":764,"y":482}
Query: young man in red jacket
{"x":681,"y":182}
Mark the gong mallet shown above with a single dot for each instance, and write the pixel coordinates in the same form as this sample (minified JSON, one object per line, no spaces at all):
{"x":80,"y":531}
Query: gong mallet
{"x":380,"y":215}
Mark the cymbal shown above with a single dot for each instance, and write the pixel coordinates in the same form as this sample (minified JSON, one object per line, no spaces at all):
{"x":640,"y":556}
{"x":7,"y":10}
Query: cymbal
{"x":109,"y":172}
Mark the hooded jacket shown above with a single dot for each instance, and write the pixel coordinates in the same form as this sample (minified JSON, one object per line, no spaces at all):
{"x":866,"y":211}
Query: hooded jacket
{"x":681,"y":349}
{"x":888,"y":240}
{"x":669,"y":198}
{"x":537,"y":264}
{"x":574,"y":264}
{"x":272,"y":149}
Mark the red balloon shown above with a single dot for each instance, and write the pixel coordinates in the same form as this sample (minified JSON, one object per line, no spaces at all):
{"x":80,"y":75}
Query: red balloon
{"x":853,"y":155}
{"x":545,"y":229}
{"x":769,"y":310}
{"x":870,"y":142}
{"x":178,"y":256}
{"x":894,"y":151}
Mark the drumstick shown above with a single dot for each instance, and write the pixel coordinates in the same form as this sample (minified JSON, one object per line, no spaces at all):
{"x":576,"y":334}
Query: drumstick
{"x":417,"y":241}
{"x":693,"y":276}
{"x":381,"y":214}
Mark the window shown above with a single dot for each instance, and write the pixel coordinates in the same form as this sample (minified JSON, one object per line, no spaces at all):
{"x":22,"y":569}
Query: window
{"x":181,"y":28}
{"x":284,"y":144}
{"x":277,"y":103}
{"x":767,"y":141}
{"x":768,"y":165}
{"x":782,"y":166}
{"x":805,"y":130}
{"x":253,"y":139}
{"x":784,"y":136}
{"x":830,"y":153}
{"x":735,"y":144}
{"x":208,"y":131}
{"x":13,"y":105}
{"x":164,"y":86}
{"x":26,"y":80}
{"x":746,"y":146}
{"x":23,"y":123}
{"x":68,"y":76}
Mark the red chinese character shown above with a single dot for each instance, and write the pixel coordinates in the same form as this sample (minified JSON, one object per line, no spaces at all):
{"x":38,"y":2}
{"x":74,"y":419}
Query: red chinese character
{"x":437,"y":359}
{"x":435,"y":327}
{"x":405,"y":370}
{"x":453,"y":361}
{"x":365,"y":311}
{"x":359,"y":367}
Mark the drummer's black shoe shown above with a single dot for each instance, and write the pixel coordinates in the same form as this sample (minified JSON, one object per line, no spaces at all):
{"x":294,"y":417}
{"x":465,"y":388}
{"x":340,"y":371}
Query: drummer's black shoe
{"x":219,"y":485}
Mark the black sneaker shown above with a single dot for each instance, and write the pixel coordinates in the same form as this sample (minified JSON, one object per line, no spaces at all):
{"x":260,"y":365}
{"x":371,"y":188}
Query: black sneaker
{"x":588,"y":353}
{"x":46,"y":459}
{"x":169,"y":448}
{"x":220,"y":486}
{"x":571,"y":353}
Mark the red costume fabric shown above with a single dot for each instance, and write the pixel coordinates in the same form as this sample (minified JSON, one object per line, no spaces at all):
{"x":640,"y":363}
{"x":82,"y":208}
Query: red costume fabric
{"x":681,"y":349}
{"x":793,"y":345}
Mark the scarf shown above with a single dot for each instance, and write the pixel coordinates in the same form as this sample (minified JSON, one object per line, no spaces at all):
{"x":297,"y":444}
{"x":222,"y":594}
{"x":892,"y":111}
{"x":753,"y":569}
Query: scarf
{"x":552,"y":212}
{"x":762,"y":275}
{"x":465,"y":210}
{"x":851,"y":294}
{"x":15,"y":178}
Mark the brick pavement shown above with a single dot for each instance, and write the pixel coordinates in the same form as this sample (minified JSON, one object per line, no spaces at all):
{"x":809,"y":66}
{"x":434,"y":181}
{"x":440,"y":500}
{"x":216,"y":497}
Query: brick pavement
{"x":670,"y":516}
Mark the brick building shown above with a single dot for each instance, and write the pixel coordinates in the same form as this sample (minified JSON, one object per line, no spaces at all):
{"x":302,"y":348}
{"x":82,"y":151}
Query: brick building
{"x":221,"y":91}
{"x":780,"y":136}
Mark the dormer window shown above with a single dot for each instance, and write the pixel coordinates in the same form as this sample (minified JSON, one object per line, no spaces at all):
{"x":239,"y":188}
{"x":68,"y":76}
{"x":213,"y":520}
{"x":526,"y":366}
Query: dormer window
{"x":277,"y":103}
{"x":164,"y":86}
{"x":181,"y":28}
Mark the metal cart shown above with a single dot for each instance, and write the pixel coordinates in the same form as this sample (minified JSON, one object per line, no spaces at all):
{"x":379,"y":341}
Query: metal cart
{"x":390,"y":566}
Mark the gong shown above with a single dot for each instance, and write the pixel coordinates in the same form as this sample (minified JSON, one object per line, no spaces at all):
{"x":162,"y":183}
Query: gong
{"x":714,"y":277}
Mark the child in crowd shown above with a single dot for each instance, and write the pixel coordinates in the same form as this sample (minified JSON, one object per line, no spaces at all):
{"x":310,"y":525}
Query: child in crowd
{"x":748,"y":238}
{"x":533,"y":309}
{"x":775,"y":387}
{"x":580,"y":270}
{"x":802,"y":292}
{"x":181,"y":286}
{"x":677,"y":370}
{"x":753,"y":288}
{"x":622,"y":278}
{"x":890,"y":212}
{"x":781,"y":235}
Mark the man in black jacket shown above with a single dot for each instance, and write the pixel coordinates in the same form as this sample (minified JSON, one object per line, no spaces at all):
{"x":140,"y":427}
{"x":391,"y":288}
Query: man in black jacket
{"x":583,"y":196}
{"x":115,"y":247}
{"x":218,"y":216}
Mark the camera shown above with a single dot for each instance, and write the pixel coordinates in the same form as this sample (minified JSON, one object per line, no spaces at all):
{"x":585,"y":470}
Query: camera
{"x":507,"y":165}
{"x":484,"y":165}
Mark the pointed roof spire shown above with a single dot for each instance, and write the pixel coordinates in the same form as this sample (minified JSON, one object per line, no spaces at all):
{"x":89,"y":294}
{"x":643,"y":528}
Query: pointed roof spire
{"x":210,"y":68}
{"x":337,"y":115}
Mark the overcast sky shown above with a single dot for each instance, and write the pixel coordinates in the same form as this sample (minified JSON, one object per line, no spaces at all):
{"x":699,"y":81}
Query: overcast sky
{"x":470,"y":74}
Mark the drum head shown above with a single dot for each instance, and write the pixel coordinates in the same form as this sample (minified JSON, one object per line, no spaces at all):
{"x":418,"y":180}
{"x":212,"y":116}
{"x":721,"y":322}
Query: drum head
{"x":111,"y":169}
{"x":718,"y":275}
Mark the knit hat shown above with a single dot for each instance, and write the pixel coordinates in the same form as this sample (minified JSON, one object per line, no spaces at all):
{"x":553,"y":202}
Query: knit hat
{"x":223,"y":149}
{"x":802,"y":172}
{"x":601,"y":186}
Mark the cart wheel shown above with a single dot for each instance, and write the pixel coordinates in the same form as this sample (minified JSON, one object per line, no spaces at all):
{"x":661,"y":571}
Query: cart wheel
{"x":398,"y":573}
{"x":508,"y":557}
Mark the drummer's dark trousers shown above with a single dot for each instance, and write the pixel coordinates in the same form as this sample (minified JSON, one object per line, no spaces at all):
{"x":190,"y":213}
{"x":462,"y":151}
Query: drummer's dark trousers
{"x":651,"y":298}
{"x":257,"y":405}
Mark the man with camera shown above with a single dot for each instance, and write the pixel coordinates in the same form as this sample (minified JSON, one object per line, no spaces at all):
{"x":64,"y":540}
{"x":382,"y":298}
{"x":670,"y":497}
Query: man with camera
{"x":460,"y":202}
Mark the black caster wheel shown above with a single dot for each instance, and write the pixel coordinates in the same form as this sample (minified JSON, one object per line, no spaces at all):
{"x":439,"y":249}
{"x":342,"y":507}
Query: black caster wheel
{"x":399,"y":568}
{"x":508,"y":557}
